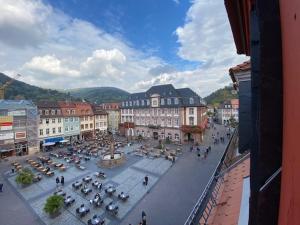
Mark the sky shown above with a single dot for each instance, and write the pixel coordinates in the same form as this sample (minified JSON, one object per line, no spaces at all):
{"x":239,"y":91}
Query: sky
{"x":129,"y":44}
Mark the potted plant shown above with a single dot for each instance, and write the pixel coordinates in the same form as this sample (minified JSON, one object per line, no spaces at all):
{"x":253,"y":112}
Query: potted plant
{"x":25,"y":177}
{"x":53,"y":205}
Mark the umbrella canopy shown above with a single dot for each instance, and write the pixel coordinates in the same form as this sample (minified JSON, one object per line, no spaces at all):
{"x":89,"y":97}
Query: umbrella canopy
{"x":64,"y":141}
{"x":49,"y":144}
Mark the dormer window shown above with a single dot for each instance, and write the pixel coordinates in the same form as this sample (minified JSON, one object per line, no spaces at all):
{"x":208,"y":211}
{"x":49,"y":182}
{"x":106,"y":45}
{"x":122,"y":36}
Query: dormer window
{"x":162,"y":101}
{"x":191,"y":101}
{"x":176,"y":101}
{"x":169,"y":101}
{"x":130,"y":103}
{"x":148,"y":102}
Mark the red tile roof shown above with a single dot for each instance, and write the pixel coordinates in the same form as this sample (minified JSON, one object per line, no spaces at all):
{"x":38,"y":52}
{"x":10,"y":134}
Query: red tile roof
{"x":245,"y":66}
{"x":229,"y":198}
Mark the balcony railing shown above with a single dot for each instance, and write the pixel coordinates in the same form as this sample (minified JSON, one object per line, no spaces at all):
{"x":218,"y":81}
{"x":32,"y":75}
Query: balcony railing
{"x":200,"y":210}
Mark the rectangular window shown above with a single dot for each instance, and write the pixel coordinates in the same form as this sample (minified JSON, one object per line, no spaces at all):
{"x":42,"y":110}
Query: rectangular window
{"x":59,"y":120}
{"x":176,"y":122}
{"x":58,"y":112}
{"x":47,"y":131}
{"x":47,"y":121}
{"x":176,"y":101}
{"x":191,"y":100}
{"x":59,"y":130}
{"x":169,"y":101}
{"x":69,"y":111}
{"x":46,"y":112}
{"x":148,"y":102}
{"x":72,"y":128}
{"x":191,"y":111}
{"x":91,"y":125}
{"x":191,"y":121}
{"x":66,"y":128}
{"x":53,"y":130}
{"x":40,"y":112}
{"x":176,"y":111}
{"x":71,"y":119}
{"x":41,"y":132}
{"x":52,"y":112}
{"x":162,"y":101}
{"x":41,"y":121}
{"x":86,"y":126}
{"x":66,"y":119}
{"x":53,"y":120}
{"x":81,"y":126}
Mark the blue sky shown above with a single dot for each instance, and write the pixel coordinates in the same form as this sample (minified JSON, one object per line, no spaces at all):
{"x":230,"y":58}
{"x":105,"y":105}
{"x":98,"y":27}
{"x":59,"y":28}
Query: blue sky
{"x":129,"y":44}
{"x":148,"y":25}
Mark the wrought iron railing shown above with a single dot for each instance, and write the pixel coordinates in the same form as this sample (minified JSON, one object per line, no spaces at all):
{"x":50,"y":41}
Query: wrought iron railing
{"x":206,"y":201}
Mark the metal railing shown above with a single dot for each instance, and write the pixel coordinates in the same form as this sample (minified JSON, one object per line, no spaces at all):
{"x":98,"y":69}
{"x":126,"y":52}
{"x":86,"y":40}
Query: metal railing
{"x":209,"y":190}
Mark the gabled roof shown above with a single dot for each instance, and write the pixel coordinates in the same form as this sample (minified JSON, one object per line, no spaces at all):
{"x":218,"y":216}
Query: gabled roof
{"x":163,"y":90}
{"x":16,"y":104}
{"x":48,"y":104}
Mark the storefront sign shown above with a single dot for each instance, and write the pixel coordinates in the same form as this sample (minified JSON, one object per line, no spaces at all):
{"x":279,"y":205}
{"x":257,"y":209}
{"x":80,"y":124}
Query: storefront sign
{"x":9,"y":141}
{"x":6,"y":136}
{"x":17,"y":113}
{"x":20,"y":135}
{"x":6,"y":122}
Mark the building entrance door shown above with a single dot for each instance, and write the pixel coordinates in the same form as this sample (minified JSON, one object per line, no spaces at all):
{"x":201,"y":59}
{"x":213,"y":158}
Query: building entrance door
{"x":155,"y":135}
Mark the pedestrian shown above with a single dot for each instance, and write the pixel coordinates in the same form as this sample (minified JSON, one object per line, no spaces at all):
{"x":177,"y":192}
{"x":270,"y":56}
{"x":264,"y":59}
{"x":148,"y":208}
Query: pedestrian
{"x":143,"y":218}
{"x":191,"y":148}
{"x":12,"y":170}
{"x":62,"y":180}
{"x":1,"y":187}
{"x":146,"y":180}
{"x":173,"y":159}
{"x":43,"y":163}
{"x":57,"y":181}
{"x":198,"y":149}
{"x":199,"y":155}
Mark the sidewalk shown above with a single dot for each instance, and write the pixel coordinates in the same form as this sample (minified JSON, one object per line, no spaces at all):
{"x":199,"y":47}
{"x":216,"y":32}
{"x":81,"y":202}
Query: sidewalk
{"x":173,"y":197}
{"x":16,"y":210}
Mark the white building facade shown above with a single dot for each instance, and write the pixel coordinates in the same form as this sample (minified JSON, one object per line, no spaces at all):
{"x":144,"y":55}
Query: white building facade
{"x":164,"y":112}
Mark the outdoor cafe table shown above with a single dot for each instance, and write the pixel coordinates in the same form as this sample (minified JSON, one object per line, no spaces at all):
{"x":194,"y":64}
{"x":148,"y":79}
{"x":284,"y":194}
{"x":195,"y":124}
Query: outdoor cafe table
{"x":112,"y":206}
{"x":110,"y":190}
{"x":77,"y":184}
{"x":68,"y":200}
{"x":82,"y":209}
{"x":95,"y":221}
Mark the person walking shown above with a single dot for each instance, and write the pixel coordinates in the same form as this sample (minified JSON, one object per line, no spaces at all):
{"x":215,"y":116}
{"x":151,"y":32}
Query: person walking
{"x":62,"y":180}
{"x":144,"y":221}
{"x":1,"y":187}
{"x":199,"y":155}
{"x":191,"y":148}
{"x":57,"y":181}
{"x":146,"y":180}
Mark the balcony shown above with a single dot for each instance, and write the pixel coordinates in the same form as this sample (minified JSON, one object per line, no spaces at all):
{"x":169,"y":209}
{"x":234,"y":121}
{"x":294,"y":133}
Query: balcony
{"x":192,"y":129}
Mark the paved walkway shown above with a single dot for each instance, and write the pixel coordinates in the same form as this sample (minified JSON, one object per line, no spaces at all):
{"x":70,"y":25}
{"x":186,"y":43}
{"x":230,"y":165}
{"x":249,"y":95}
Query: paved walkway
{"x":171,"y":200}
{"x":16,"y":210}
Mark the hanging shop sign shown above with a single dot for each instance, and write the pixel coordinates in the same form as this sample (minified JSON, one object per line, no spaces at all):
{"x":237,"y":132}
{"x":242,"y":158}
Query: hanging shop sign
{"x":6,"y":122}
{"x":17,"y":113}
{"x":20,"y":134}
{"x":6,"y":136}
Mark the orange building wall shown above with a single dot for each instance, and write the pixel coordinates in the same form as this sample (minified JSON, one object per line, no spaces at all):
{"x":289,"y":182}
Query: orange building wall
{"x":289,"y":213}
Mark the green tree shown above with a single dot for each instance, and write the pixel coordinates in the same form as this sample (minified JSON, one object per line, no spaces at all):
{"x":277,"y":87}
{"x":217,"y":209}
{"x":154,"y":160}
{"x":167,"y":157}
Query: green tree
{"x":25,"y":177}
{"x":53,"y":204}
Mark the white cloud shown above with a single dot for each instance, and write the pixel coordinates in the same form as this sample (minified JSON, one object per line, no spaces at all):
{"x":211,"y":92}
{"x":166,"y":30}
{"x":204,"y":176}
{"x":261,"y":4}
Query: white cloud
{"x":53,"y":50}
{"x":21,"y":22}
{"x":50,"y":65}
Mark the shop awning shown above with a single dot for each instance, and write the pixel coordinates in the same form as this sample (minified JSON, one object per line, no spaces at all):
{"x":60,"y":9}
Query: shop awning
{"x":48,"y":144}
{"x":5,"y":150}
{"x":54,"y":139}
